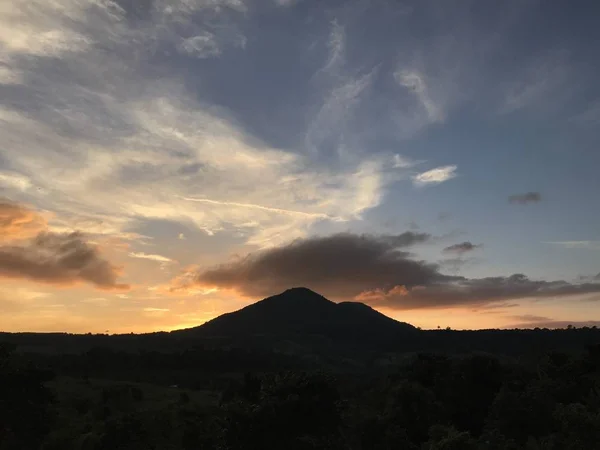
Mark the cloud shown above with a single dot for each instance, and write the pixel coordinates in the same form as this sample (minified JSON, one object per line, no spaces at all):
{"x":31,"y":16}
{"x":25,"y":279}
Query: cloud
{"x":335,"y":113}
{"x":62,"y":259}
{"x":463,"y":247}
{"x":336,"y":45}
{"x":435,"y":176}
{"x":262,"y":208}
{"x":340,"y":265}
{"x":526,"y":198}
{"x":415,"y":83}
{"x":590,"y":116}
{"x":112,"y":126}
{"x":18,"y":222}
{"x":542,"y":83}
{"x":156,"y":310}
{"x":201,"y":46}
{"x":401,"y":162}
{"x":158,"y":258}
{"x":444,"y":216}
{"x":114,"y":135}
{"x":459,"y":291}
{"x":286,"y":2}
{"x":14,"y":181}
{"x":375,"y":269}
{"x":590,"y":245}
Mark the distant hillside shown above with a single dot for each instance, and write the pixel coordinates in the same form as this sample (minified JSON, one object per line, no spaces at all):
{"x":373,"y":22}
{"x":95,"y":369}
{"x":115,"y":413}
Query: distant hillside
{"x":300,"y":311}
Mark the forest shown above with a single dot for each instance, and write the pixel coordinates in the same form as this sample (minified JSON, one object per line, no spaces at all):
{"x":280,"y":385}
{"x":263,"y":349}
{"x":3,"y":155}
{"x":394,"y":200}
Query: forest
{"x":224,"y":397}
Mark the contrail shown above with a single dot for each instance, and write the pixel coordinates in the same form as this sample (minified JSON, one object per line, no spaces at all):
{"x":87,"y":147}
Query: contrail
{"x":262,"y":208}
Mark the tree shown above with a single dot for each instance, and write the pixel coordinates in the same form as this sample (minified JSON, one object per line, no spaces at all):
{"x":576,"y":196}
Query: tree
{"x":25,"y":415}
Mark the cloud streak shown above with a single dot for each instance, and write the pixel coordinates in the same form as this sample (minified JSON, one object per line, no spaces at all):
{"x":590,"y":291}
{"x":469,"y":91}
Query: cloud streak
{"x":151,"y":257}
{"x":589,"y":245}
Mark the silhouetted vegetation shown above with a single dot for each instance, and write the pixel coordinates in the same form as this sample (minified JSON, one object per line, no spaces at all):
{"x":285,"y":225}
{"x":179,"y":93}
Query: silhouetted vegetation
{"x":426,"y":401}
{"x":294,"y":389}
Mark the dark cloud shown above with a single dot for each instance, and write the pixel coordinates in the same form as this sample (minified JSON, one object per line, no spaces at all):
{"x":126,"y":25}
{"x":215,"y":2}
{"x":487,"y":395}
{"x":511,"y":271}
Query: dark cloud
{"x":461,"y":248}
{"x":461,"y":291}
{"x":339,"y":266}
{"x":373,"y":269}
{"x":59,"y":259}
{"x":455,"y":265}
{"x":18,"y":222}
{"x":523,"y":199}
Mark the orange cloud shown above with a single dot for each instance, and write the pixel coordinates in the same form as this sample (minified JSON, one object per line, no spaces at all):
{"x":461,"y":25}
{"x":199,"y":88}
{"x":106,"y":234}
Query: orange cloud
{"x":54,"y":258}
{"x":18,"y":222}
{"x":377,"y":295}
{"x":62,"y":259}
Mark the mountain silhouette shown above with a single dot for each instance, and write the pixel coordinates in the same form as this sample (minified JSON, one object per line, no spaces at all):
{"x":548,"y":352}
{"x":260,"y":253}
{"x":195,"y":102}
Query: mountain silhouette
{"x":300,"y":311}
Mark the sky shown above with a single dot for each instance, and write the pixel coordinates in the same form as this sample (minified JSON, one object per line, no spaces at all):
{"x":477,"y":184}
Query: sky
{"x":166,"y":161}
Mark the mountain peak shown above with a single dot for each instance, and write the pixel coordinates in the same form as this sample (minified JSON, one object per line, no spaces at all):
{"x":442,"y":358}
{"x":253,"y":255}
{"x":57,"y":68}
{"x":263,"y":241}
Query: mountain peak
{"x":299,"y":294}
{"x":300,"y":290}
{"x":300,"y":310}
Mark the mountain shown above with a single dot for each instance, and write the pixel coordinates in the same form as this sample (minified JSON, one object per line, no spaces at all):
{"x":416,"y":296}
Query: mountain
{"x":302,"y":312}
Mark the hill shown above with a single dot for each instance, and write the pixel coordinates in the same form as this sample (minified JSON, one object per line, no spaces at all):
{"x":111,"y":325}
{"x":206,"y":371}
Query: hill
{"x":300,"y":311}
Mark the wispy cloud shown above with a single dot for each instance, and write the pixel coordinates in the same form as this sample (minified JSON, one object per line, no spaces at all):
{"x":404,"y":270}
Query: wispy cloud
{"x":545,"y":79}
{"x":132,"y":145}
{"x":435,"y":176}
{"x":19,"y":222}
{"x":590,"y":245}
{"x":333,"y":118}
{"x":415,"y":83}
{"x":202,"y":46}
{"x":463,"y":247}
{"x":401,"y":162}
{"x":262,"y":208}
{"x":336,"y":46}
{"x":151,"y":257}
{"x":590,"y":116}
{"x":14,"y":181}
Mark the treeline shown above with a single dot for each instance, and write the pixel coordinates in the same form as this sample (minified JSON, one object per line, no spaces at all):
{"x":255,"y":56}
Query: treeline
{"x":428,"y":402}
{"x":501,"y":342}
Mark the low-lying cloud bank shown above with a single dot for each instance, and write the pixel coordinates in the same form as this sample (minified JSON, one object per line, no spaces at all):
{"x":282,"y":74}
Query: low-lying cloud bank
{"x":375,"y":269}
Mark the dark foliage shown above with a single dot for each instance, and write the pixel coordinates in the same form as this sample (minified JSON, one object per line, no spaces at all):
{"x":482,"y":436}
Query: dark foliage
{"x":302,"y":387}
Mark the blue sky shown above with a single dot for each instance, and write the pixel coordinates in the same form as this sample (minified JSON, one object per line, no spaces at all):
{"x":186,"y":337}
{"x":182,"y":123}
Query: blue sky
{"x":183,"y":137}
